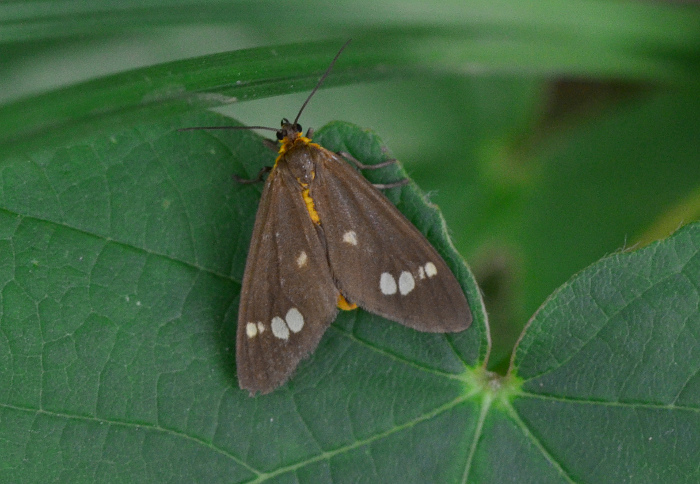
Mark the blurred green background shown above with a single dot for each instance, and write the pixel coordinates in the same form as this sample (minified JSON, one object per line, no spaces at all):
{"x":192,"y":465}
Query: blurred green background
{"x":550,"y":133}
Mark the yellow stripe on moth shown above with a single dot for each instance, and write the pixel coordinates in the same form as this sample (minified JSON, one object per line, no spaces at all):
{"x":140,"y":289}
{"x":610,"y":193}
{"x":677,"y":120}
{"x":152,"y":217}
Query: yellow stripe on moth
{"x":344,"y":304}
{"x":310,"y":205}
{"x":287,"y":143}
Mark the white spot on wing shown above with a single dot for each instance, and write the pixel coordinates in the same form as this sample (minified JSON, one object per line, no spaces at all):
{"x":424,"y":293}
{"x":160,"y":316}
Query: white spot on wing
{"x":350,"y":237}
{"x":302,"y":259}
{"x":261,"y":327}
{"x":430,"y":269}
{"x":387,"y":284}
{"x":251,"y":330}
{"x":406,"y":283}
{"x":421,"y":273}
{"x":295,"y":320}
{"x":279,"y":328}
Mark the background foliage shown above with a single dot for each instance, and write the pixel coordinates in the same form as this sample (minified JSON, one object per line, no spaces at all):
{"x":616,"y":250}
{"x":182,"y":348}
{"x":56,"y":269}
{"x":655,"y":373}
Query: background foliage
{"x":549,"y":133}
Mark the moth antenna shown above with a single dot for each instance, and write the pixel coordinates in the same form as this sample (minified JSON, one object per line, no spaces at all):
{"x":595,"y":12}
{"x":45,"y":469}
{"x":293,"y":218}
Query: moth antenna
{"x":320,"y":81}
{"x":227,"y":127}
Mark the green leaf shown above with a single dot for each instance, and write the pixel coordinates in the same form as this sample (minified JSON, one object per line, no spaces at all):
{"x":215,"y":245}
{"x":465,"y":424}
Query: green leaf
{"x":593,"y":39}
{"x":123,"y":259}
{"x":590,"y":36}
{"x":121,"y":265}
{"x":609,"y":369}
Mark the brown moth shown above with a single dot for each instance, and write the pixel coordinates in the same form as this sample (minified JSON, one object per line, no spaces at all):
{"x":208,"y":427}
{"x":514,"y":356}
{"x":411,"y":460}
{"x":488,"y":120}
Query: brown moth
{"x":326,"y":239}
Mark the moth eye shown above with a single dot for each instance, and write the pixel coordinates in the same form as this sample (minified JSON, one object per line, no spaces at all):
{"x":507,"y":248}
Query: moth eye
{"x":297,"y":127}
{"x":280,"y":135}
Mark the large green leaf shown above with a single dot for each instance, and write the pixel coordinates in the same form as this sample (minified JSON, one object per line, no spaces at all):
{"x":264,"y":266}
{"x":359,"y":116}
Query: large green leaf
{"x":609,"y":369}
{"x":123,"y":262}
{"x":121,"y":266}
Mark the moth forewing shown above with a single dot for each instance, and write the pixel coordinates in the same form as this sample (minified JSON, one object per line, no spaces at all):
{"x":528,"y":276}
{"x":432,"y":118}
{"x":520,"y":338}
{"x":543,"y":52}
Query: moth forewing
{"x":288,"y":297}
{"x":380,"y":261}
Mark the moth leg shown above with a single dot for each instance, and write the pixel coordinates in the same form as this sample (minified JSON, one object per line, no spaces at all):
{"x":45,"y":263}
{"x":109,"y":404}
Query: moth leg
{"x":258,"y":178}
{"x":362,"y":166}
{"x":386,"y":186}
{"x":310,"y":133}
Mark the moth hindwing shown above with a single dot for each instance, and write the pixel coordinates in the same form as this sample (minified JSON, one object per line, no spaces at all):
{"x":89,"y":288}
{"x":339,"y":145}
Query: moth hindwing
{"x":325,"y":236}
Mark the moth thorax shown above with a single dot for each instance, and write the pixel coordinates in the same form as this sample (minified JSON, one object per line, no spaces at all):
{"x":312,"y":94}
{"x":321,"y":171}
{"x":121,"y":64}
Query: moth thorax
{"x":300,"y":163}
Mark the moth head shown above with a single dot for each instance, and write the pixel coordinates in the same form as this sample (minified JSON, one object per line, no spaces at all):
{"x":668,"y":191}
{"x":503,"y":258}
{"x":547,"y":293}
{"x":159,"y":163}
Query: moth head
{"x":288,"y":130}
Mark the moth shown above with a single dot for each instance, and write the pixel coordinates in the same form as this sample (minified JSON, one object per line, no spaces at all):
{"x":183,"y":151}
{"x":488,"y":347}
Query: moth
{"x":325,"y":239}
